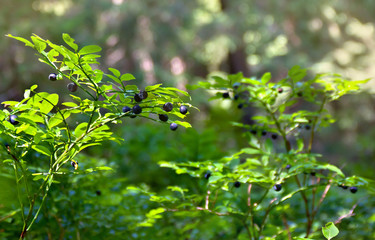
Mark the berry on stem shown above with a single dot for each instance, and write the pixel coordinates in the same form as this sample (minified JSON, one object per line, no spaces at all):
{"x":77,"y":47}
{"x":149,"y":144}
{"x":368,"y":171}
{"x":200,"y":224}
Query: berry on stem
{"x":163,"y":117}
{"x":237,"y":184}
{"x":226,"y":95}
{"x":126,"y":109}
{"x":239,"y":106}
{"x":207,"y":175}
{"x":287,"y":167}
{"x":277,"y":187}
{"x":307,"y":127}
{"x":72,"y":87}
{"x":173,"y":126}
{"x":183,"y":110}
{"x":137,"y":109}
{"x":236,"y":97}
{"x":353,"y":189}
{"x":12,"y":119}
{"x":98,"y":192}
{"x":143,"y":94}
{"x":52,"y":77}
{"x":280,"y":90}
{"x":274,"y":136}
{"x":168,"y":107}
{"x":137,"y":98}
{"x":264,"y":133}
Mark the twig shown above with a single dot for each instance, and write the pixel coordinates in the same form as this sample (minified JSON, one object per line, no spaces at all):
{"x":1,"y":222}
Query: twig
{"x":349,"y":214}
{"x":285,"y":222}
{"x":207,"y":199}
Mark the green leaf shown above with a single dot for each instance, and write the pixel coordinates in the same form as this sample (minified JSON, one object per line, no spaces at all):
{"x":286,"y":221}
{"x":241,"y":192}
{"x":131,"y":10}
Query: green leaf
{"x":42,"y":149}
{"x":70,"y":41}
{"x":39,"y":44}
{"x":115,"y":72}
{"x":184,"y":124}
{"x":89,"y":49}
{"x":330,"y":230}
{"x":26,"y":42}
{"x":266,"y":77}
{"x":127,"y":77}
{"x":49,"y":103}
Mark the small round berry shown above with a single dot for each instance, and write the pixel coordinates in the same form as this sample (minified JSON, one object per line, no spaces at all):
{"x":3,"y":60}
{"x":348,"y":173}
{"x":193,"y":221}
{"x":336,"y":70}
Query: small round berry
{"x":72,"y":87}
{"x":74,"y":164}
{"x":237,"y":184}
{"x":12,"y":119}
{"x":236,"y":97}
{"x":239,"y":106}
{"x":253,"y":131}
{"x":307,"y":127}
{"x":183,"y":110}
{"x":173,"y":126}
{"x":143,"y":94}
{"x":126,"y":109}
{"x":52,"y":77}
{"x":168,"y":107}
{"x":274,"y":136}
{"x":280,"y":90}
{"x":277,"y":187}
{"x":287,"y":167}
{"x":98,"y":192}
{"x":353,"y":189}
{"x":137,"y":109}
{"x":313,"y":174}
{"x":137,"y":98}
{"x":264,"y":133}
{"x":226,"y":95}
{"x":343,"y":186}
{"x":163,"y":117}
{"x":299,"y":94}
{"x":133,"y":116}
{"x":207,"y":175}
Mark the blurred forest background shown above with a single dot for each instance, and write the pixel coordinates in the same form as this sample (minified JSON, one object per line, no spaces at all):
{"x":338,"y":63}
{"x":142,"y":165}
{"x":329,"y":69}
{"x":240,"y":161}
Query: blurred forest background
{"x":178,"y":43}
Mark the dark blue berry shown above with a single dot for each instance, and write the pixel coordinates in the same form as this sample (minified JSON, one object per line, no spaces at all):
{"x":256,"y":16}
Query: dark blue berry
{"x":72,"y":87}
{"x":226,"y":95}
{"x":163,"y":117}
{"x":307,"y":127}
{"x":12,"y":119}
{"x":239,"y":106}
{"x":173,"y":126}
{"x":168,"y":107}
{"x":207,"y":175}
{"x":277,"y":187}
{"x":353,"y":189}
{"x":137,"y":98}
{"x":237,"y":184}
{"x":264,"y":133}
{"x":98,"y":192}
{"x":274,"y":136}
{"x":137,"y":109}
{"x":183,"y":110}
{"x":126,"y":109}
{"x":52,"y":77}
{"x":143,"y":94}
{"x":287,"y":167}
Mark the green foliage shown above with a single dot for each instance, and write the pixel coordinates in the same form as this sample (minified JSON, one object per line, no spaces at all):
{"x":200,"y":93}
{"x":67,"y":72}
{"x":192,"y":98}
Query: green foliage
{"x":330,"y":231}
{"x":116,"y":194}
{"x":280,"y":151}
{"x":50,"y":133}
